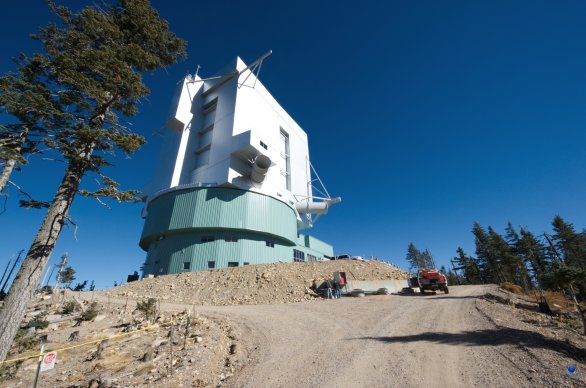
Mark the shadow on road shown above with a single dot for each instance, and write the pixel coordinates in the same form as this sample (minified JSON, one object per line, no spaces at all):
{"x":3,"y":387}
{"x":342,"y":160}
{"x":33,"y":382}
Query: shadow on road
{"x":433,"y":296}
{"x":490,"y":337}
{"x":454,"y":297}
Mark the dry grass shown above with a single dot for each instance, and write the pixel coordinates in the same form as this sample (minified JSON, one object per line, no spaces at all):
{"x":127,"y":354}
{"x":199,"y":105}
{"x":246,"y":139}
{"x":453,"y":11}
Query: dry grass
{"x":113,"y":361}
{"x":515,"y":289}
{"x":553,"y":297}
{"x":143,"y":369}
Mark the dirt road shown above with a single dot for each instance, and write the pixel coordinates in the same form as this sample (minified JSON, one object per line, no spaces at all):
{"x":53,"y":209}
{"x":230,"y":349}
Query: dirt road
{"x":377,"y":341}
{"x":463,"y":339}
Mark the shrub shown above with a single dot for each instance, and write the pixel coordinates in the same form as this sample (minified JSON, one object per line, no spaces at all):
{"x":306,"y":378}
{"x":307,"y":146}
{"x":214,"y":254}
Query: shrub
{"x":47,"y":290}
{"x":515,"y":289}
{"x":69,"y":308}
{"x":8,"y":371}
{"x":91,"y":312}
{"x":25,"y":342}
{"x":148,"y":308}
{"x":38,"y":322}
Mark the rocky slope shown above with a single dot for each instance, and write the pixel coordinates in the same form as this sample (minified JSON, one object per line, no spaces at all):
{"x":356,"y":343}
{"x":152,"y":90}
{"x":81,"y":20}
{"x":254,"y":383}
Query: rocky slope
{"x":255,"y":284}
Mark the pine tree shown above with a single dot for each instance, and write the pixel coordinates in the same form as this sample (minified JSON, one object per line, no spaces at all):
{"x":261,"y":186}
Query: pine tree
{"x":468,"y":265}
{"x":488,"y":260}
{"x":427,"y":259}
{"x":511,"y":267}
{"x":67,"y":276}
{"x":534,"y":254}
{"x":572,"y":247}
{"x":28,"y":105}
{"x":418,"y":259}
{"x":413,"y":257}
{"x":92,"y":65}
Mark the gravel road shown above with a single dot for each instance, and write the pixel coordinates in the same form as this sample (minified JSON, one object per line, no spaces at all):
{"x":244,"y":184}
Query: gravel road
{"x":377,"y":341}
{"x":463,"y":339}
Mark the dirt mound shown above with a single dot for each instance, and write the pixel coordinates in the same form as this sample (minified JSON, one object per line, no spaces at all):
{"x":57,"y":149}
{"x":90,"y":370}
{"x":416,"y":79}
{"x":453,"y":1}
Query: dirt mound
{"x":254,"y":284}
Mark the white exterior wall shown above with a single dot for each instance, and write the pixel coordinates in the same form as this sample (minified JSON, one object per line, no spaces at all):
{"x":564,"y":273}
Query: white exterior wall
{"x":258,"y":112}
{"x":244,"y":116}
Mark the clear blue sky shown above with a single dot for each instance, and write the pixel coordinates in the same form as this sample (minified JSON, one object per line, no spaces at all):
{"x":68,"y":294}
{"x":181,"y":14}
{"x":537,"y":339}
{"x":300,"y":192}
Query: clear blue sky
{"x":424,"y":116}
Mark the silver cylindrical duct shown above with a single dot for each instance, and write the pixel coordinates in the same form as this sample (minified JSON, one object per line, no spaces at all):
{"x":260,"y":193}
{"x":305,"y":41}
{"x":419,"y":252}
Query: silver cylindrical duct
{"x":312,"y":207}
{"x":259,"y":168}
{"x":307,"y":207}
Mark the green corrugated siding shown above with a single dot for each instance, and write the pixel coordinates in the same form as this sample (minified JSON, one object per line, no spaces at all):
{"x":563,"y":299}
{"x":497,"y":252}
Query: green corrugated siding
{"x":319,"y":246}
{"x":177,"y":221}
{"x":220,"y":208}
{"x":168,"y":255}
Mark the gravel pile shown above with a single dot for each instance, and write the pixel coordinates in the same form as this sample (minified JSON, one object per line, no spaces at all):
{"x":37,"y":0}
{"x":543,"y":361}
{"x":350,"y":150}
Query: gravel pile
{"x":255,"y":284}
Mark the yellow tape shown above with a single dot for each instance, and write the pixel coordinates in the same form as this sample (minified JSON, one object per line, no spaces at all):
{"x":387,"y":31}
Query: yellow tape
{"x":85,"y":343}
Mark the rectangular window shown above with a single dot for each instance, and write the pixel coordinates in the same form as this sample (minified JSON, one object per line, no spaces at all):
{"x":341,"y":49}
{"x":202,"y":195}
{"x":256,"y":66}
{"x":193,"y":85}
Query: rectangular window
{"x":270,"y":244}
{"x":211,"y":264}
{"x":298,"y":255}
{"x":186,"y":264}
{"x":311,"y":257}
{"x":246,"y":263}
{"x":231,"y":239}
{"x":209,"y":112}
{"x":210,"y":106}
{"x":232,"y":264}
{"x":263,"y":145}
{"x":207,"y":238}
{"x":285,"y":160}
{"x":202,"y":156}
{"x":205,"y":138}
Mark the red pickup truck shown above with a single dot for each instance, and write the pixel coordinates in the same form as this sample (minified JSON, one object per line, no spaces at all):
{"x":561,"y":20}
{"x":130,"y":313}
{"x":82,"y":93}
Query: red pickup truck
{"x":433,"y":280}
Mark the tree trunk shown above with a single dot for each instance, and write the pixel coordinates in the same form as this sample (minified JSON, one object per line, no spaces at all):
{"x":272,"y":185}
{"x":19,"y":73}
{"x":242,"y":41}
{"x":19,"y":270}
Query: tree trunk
{"x":29,"y":274}
{"x":6,"y":172}
{"x":10,"y":163}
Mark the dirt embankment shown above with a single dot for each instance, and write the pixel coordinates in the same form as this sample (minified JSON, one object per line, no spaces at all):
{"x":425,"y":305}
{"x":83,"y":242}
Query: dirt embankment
{"x":475,"y":336}
{"x":255,"y":284}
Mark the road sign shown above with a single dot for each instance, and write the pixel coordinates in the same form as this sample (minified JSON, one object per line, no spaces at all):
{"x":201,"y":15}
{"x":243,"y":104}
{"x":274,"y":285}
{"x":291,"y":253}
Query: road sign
{"x":48,"y":361}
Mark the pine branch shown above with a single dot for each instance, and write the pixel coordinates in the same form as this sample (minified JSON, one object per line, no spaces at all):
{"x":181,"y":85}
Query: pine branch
{"x":30,"y":203}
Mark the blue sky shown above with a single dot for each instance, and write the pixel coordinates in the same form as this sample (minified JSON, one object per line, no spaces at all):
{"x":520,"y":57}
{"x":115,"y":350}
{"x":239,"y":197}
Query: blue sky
{"x":423,"y":116}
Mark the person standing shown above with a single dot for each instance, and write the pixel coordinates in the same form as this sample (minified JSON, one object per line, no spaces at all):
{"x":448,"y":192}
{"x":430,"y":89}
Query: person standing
{"x":329,"y":294}
{"x":337,"y":290}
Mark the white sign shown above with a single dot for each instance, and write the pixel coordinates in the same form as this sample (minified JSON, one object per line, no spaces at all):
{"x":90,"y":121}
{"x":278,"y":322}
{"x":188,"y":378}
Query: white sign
{"x":48,"y":361}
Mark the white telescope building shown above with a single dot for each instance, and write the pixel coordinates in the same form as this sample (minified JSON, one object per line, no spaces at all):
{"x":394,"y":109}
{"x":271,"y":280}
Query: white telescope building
{"x":234,"y":184}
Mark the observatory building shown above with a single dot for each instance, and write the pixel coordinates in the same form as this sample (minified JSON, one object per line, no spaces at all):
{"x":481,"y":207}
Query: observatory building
{"x":234,"y":185}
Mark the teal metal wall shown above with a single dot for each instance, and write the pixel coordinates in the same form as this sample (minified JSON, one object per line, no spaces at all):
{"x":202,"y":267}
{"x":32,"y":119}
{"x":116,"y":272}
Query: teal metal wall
{"x":178,"y":222}
{"x":219,"y":208}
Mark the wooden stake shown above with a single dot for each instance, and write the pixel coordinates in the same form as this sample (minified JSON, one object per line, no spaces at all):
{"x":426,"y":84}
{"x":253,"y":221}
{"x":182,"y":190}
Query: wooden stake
{"x":39,"y":366}
{"x":186,"y":333}
{"x":171,"y":343}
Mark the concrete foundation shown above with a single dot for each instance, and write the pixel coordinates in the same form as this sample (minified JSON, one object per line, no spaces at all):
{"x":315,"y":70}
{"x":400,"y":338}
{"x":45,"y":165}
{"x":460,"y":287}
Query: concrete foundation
{"x":371,"y":286}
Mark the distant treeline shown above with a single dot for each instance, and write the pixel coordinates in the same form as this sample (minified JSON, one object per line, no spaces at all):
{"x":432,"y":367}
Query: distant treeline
{"x":544,"y":261}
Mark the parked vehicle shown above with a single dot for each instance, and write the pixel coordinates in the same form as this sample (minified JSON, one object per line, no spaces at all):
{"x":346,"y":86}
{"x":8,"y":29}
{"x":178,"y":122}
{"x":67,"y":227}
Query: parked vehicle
{"x":433,"y":280}
{"x":347,"y":257}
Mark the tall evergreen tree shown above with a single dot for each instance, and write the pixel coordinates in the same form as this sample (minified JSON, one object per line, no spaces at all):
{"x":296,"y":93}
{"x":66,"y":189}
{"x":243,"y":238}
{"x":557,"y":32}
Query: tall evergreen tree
{"x":418,"y":259}
{"x":534,"y":254}
{"x":92,"y":65}
{"x":28,"y":104}
{"x":571,"y":245}
{"x":488,"y":260}
{"x":468,"y":265}
{"x":510,"y":265}
{"x":413,"y":257}
{"x":427,"y":259}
